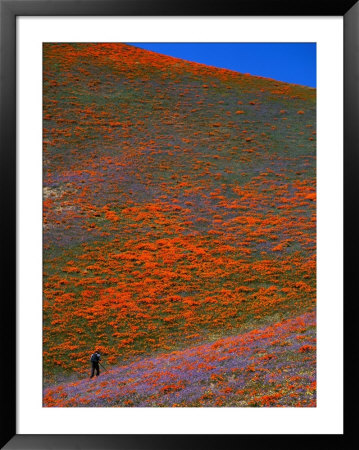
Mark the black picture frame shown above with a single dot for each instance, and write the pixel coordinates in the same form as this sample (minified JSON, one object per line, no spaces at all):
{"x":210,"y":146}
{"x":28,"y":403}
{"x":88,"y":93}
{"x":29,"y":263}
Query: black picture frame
{"x":9,"y":10}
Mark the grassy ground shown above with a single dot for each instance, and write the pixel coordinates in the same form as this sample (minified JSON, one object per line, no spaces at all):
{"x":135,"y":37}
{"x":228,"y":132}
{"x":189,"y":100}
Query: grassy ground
{"x":270,"y":366}
{"x":179,"y":205}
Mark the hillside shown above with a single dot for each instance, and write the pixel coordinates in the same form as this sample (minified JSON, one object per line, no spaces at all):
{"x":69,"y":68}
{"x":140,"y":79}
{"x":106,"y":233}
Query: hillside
{"x":179,"y":207}
{"x":273,"y":366}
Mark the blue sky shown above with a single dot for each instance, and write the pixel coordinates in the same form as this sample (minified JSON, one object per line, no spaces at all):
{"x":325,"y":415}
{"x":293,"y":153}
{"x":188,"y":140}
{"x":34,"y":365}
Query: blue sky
{"x":290,"y":62}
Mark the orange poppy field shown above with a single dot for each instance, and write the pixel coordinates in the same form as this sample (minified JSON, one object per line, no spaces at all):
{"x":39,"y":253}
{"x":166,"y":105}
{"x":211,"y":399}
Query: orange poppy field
{"x":179,"y":232}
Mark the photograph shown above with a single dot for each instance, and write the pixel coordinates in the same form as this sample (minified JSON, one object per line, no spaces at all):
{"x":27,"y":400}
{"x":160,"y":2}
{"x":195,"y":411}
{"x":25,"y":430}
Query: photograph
{"x":179,"y":208}
{"x":179,"y":224}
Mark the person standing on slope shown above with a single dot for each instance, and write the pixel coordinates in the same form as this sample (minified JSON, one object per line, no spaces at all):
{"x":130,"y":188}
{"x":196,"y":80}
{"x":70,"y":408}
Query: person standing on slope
{"x":95,"y":359}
